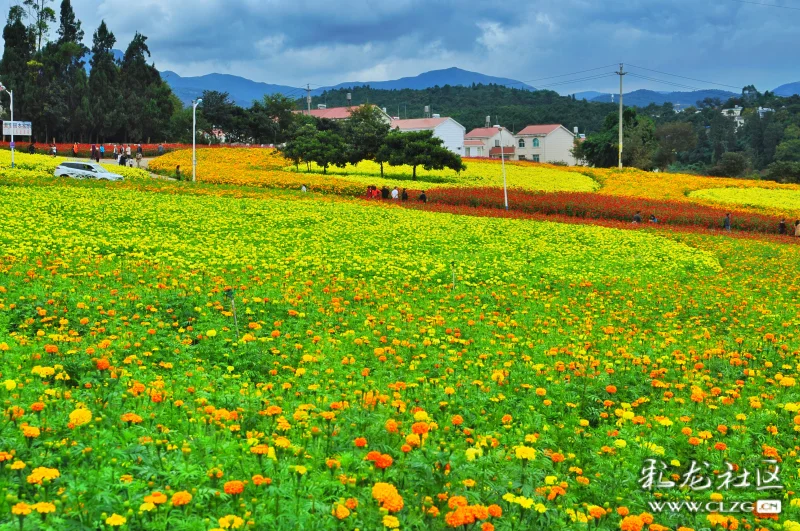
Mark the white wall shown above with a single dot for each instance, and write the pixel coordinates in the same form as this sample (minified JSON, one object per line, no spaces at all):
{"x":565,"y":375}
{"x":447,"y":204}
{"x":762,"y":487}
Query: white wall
{"x":452,"y":134}
{"x":555,"y":147}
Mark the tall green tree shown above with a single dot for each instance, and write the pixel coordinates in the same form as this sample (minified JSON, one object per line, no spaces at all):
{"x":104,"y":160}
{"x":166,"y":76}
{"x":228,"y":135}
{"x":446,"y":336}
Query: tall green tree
{"x":18,"y":51}
{"x":148,"y":107}
{"x":69,"y":29}
{"x":42,"y":15}
{"x":105,"y":98}
{"x":639,"y":142}
{"x":366,"y":132}
{"x":673,"y":138}
{"x":421,"y":148}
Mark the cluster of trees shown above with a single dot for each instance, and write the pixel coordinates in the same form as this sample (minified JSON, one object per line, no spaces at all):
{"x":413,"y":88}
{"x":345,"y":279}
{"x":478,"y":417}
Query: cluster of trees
{"x":469,"y":106}
{"x":365,"y":136}
{"x":123,"y":100}
{"x":269,"y":121}
{"x":702,"y":139}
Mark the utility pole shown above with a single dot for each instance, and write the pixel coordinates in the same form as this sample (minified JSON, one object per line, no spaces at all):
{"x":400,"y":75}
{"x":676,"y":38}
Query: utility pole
{"x":308,"y":98}
{"x":621,"y":73}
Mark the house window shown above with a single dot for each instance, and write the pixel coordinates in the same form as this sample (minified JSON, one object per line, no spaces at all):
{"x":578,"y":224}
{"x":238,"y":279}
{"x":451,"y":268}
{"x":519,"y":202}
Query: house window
{"x":535,"y":142}
{"x":480,"y":151}
{"x":522,"y":157}
{"x":496,"y":143}
{"x":522,"y":142}
{"x":536,"y":158}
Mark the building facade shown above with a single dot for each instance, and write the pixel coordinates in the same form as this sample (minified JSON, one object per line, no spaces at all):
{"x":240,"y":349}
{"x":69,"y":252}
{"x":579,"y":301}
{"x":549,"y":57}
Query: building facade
{"x":448,"y":130}
{"x":487,"y":141}
{"x":545,"y":143}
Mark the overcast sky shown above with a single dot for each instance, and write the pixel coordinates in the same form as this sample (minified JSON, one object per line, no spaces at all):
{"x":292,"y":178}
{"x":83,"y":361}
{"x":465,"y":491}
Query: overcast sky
{"x":326,"y":42}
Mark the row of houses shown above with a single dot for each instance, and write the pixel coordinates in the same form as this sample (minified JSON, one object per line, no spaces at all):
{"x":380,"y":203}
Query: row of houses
{"x":537,"y":143}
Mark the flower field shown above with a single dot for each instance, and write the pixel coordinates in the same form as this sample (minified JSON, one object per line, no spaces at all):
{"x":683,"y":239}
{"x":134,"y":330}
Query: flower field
{"x":178,"y":360}
{"x":38,"y":166}
{"x":781,"y":200}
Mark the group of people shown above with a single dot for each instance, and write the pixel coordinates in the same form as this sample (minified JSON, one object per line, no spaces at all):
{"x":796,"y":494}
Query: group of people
{"x":373,"y":192}
{"x":637,"y":218}
{"x":782,"y":227}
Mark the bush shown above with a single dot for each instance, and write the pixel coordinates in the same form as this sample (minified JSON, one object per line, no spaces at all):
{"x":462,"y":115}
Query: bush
{"x":784,"y":172}
{"x":730,"y":165}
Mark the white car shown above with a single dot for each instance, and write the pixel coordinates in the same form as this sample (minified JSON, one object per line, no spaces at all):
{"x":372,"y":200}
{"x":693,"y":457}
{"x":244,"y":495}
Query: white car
{"x":86,"y":170}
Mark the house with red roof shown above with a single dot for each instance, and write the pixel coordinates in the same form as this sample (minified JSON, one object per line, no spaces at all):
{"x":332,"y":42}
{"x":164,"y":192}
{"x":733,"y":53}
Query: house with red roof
{"x":339,"y":113}
{"x":545,"y":143}
{"x":489,"y":142}
{"x":448,"y":130}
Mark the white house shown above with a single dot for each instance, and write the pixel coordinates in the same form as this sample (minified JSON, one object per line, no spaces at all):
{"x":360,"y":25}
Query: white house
{"x":546,"y":143}
{"x":736,"y":114}
{"x":488,"y":141}
{"x":450,"y":131}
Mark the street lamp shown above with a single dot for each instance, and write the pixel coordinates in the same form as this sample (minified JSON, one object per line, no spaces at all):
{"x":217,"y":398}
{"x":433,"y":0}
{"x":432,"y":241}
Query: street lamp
{"x":195,"y":103}
{"x":503,"y":162}
{"x":11,"y":95}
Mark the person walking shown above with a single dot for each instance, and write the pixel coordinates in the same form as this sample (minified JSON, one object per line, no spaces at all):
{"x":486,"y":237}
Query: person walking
{"x":404,"y":195}
{"x":102,"y":151}
{"x":160,"y":149}
{"x":423,"y":197}
{"x":97,"y":155}
{"x":178,"y":172}
{"x":782,"y":226}
{"x":139,"y":159}
{"x":74,"y":149}
{"x":92,"y":152}
{"x":128,"y":151}
{"x":726,"y":223}
{"x":139,"y":149}
{"x":395,"y":194}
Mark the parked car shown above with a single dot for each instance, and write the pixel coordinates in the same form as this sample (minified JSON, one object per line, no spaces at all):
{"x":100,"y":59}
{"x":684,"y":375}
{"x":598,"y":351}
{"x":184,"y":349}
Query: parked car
{"x":86,"y":170}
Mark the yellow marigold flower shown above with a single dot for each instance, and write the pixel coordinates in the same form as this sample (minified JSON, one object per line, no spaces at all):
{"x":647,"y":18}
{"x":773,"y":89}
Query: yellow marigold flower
{"x":116,"y":520}
{"x":181,"y":498}
{"x":391,"y":522}
{"x":147,"y":506}
{"x":44,"y":507}
{"x":81,"y":416}
{"x":21,"y":509}
{"x":231,"y":522}
{"x":525,"y":452}
{"x":340,"y":511}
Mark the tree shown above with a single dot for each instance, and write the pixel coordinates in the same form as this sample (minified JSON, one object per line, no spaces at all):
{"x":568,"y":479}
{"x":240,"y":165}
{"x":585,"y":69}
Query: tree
{"x":218,"y":109}
{"x":328,"y":149}
{"x":69,"y":29}
{"x":730,"y":165}
{"x":421,"y":148}
{"x":302,"y":143}
{"x":673,"y":138}
{"x":42,"y":16}
{"x":105,"y":96}
{"x":272,"y":119}
{"x":639,"y":142}
{"x":147,"y":103}
{"x":366,"y":132}
{"x":17,"y":53}
{"x":391,"y":150}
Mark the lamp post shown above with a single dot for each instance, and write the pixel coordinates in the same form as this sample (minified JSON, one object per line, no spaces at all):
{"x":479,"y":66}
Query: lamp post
{"x":195,"y":103}
{"x":503,"y":163}
{"x":10,"y":95}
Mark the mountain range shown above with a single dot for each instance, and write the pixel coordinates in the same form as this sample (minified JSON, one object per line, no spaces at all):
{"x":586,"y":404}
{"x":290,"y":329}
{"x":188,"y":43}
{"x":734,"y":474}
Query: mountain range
{"x":244,"y":91}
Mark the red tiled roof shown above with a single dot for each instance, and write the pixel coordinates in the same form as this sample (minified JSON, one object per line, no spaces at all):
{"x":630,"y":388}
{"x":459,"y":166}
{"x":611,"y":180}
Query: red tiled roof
{"x":418,"y":123}
{"x":508,"y":150}
{"x":539,"y":129}
{"x":334,"y":113}
{"x":473,"y":143}
{"x":482,"y":132}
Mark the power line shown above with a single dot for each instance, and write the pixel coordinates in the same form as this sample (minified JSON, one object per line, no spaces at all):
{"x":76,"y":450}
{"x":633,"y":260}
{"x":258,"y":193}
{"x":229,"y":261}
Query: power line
{"x":570,"y":81}
{"x":561,"y":75}
{"x":765,"y":5}
{"x":684,"y":77}
{"x":665,"y":82}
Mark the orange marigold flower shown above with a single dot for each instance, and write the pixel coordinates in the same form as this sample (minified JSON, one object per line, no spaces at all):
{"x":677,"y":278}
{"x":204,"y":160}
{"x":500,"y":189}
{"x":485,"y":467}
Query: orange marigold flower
{"x":487,"y":527}
{"x":557,"y":457}
{"x":360,"y":442}
{"x":495,"y":510}
{"x":611,"y":389}
{"x":457,"y":420}
{"x":37,"y":406}
{"x":457,"y":501}
{"x":181,"y":498}
{"x":132,"y":418}
{"x":631,"y":523}
{"x":340,"y":511}
{"x":351,"y":503}
{"x":233,"y":487}
{"x":383,"y":461}
{"x":102,"y":364}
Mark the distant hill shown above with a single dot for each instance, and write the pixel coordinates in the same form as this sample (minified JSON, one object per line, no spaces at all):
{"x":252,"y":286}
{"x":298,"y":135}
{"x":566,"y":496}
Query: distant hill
{"x":118,"y":55}
{"x":242,"y":91}
{"x":643,"y":98}
{"x":789,"y":89}
{"x":454,"y":77}
{"x":589,"y":95}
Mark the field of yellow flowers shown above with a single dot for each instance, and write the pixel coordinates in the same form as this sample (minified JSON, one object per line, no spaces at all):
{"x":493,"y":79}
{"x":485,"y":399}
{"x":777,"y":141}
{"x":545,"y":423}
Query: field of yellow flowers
{"x":172,"y":360}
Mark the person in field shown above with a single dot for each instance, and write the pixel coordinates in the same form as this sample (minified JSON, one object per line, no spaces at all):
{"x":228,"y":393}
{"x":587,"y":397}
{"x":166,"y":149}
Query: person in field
{"x":423,"y":197}
{"x":797,"y":228}
{"x":395,"y":194}
{"x":404,"y":195}
{"x":726,"y":223}
{"x":782,"y":226}
{"x":653,"y":218}
{"x":102,"y":151}
{"x":637,"y":218}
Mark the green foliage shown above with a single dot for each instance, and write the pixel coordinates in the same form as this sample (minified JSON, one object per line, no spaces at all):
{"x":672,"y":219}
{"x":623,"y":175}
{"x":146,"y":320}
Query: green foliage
{"x":786,"y":172}
{"x":639,"y":142}
{"x":730,"y":165}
